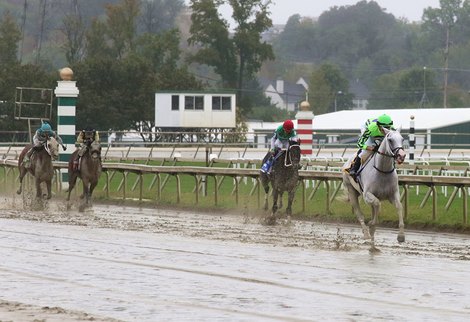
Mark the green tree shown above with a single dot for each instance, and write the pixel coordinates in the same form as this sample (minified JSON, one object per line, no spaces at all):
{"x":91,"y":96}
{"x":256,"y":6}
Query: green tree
{"x":118,"y":91}
{"x":159,"y":15}
{"x":122,"y":26}
{"x":74,"y":31}
{"x":441,"y":22}
{"x":96,"y":40}
{"x":410,"y":88}
{"x":298,"y":41}
{"x":10,"y":35}
{"x":238,"y":57}
{"x":328,"y":86}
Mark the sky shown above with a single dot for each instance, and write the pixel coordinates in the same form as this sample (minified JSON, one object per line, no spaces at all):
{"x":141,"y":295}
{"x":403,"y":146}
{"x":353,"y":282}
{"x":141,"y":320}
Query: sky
{"x":281,"y":10}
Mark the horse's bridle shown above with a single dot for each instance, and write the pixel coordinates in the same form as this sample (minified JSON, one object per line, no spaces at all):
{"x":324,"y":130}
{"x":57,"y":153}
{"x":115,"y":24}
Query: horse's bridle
{"x":394,"y":154}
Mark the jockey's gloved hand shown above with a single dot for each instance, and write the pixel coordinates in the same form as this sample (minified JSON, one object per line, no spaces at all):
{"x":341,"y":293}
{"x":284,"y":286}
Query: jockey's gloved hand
{"x":376,"y":148}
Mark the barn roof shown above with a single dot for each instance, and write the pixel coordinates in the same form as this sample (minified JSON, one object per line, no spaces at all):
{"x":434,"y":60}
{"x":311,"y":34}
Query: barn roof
{"x":352,"y":120}
{"x":425,"y":118}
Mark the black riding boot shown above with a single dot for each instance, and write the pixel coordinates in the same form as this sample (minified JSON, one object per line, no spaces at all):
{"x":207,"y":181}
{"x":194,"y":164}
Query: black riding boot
{"x":355,"y":166}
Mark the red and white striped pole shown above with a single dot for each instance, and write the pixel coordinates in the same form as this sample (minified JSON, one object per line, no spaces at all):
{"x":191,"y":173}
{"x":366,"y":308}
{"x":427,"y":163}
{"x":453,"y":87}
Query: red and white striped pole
{"x":305,"y":129}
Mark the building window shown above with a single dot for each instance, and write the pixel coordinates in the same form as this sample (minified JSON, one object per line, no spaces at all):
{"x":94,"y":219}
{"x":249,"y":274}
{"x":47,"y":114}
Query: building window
{"x":194,"y":103}
{"x":175,"y":102}
{"x":221,"y":103}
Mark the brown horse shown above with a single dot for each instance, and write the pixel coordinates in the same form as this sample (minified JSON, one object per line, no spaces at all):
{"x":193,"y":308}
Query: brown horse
{"x":284,"y":177}
{"x":41,"y":165}
{"x":89,"y":171}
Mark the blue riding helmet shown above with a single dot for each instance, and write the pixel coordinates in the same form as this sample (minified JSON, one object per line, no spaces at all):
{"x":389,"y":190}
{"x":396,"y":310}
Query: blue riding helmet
{"x":45,"y":127}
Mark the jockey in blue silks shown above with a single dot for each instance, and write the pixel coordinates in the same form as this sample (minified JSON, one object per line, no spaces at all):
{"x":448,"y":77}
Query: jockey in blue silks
{"x":39,"y":138}
{"x":372,"y":130}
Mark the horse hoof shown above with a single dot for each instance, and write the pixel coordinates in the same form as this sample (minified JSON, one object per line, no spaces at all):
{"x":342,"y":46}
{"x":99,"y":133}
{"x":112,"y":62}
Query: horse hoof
{"x":366,"y":234}
{"x":401,"y":238}
{"x":374,"y":250}
{"x":270,"y":221}
{"x":82,"y":196}
{"x":18,"y":192}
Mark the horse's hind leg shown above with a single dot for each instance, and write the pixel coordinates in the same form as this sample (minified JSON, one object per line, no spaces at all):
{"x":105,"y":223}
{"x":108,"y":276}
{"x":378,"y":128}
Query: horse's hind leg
{"x":354,"y":199}
{"x":265,"y":183}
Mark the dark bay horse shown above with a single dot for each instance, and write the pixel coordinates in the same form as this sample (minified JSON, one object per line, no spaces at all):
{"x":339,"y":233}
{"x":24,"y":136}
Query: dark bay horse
{"x":284,"y":176}
{"x":89,"y":171}
{"x":377,"y":181}
{"x":41,"y":165}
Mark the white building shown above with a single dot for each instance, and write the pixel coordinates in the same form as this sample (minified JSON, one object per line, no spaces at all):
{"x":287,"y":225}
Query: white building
{"x":194,"y":109}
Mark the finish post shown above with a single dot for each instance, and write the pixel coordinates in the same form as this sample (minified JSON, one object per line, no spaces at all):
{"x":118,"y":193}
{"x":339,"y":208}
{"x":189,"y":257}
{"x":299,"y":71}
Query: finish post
{"x":304,"y":129}
{"x":66,"y":93}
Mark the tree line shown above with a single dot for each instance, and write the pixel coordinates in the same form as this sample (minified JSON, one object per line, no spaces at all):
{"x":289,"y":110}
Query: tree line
{"x":122,"y":51}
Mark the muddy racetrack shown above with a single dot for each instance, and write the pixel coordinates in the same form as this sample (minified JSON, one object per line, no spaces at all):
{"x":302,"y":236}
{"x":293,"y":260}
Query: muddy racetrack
{"x":143,"y":264}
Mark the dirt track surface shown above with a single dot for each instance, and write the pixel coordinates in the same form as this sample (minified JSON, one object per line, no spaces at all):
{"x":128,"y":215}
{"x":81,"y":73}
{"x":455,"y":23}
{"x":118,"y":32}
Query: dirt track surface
{"x":141,"y":264}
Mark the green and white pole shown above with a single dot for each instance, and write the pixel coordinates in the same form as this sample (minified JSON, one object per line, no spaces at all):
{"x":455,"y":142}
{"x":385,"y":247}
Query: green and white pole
{"x":66,"y":93}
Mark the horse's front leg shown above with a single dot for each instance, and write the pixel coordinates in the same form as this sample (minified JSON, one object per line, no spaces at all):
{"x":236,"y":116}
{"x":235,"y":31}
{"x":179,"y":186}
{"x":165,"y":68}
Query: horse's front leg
{"x":23,"y":172}
{"x":92,"y":188}
{"x":38,"y":189}
{"x":401,"y":225}
{"x":49,"y":188}
{"x":275,"y":196}
{"x":290,"y":200}
{"x":374,"y":202}
{"x":72,"y":182}
{"x":86,"y":191}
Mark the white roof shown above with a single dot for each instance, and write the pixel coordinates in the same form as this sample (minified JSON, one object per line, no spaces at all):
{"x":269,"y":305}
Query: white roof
{"x":424,"y":118}
{"x":352,"y":120}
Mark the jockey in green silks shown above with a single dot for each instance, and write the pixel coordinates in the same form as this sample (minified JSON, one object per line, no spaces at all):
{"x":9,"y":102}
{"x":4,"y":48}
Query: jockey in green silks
{"x":371,"y":131}
{"x":284,"y":134}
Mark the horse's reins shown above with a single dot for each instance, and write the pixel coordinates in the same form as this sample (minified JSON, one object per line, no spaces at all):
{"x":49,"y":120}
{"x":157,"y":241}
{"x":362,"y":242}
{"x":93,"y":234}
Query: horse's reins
{"x":287,"y":159}
{"x":385,"y":154}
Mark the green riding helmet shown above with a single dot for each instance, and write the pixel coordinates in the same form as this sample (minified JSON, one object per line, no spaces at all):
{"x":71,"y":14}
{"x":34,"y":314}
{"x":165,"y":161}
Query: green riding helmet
{"x":385,"y":121}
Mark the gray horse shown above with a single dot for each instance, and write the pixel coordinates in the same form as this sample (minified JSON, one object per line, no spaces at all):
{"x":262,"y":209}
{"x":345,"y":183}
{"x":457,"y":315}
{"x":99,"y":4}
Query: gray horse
{"x":284,"y":176}
{"x":378,"y":181}
{"x":89,"y":171}
{"x":41,"y":166}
